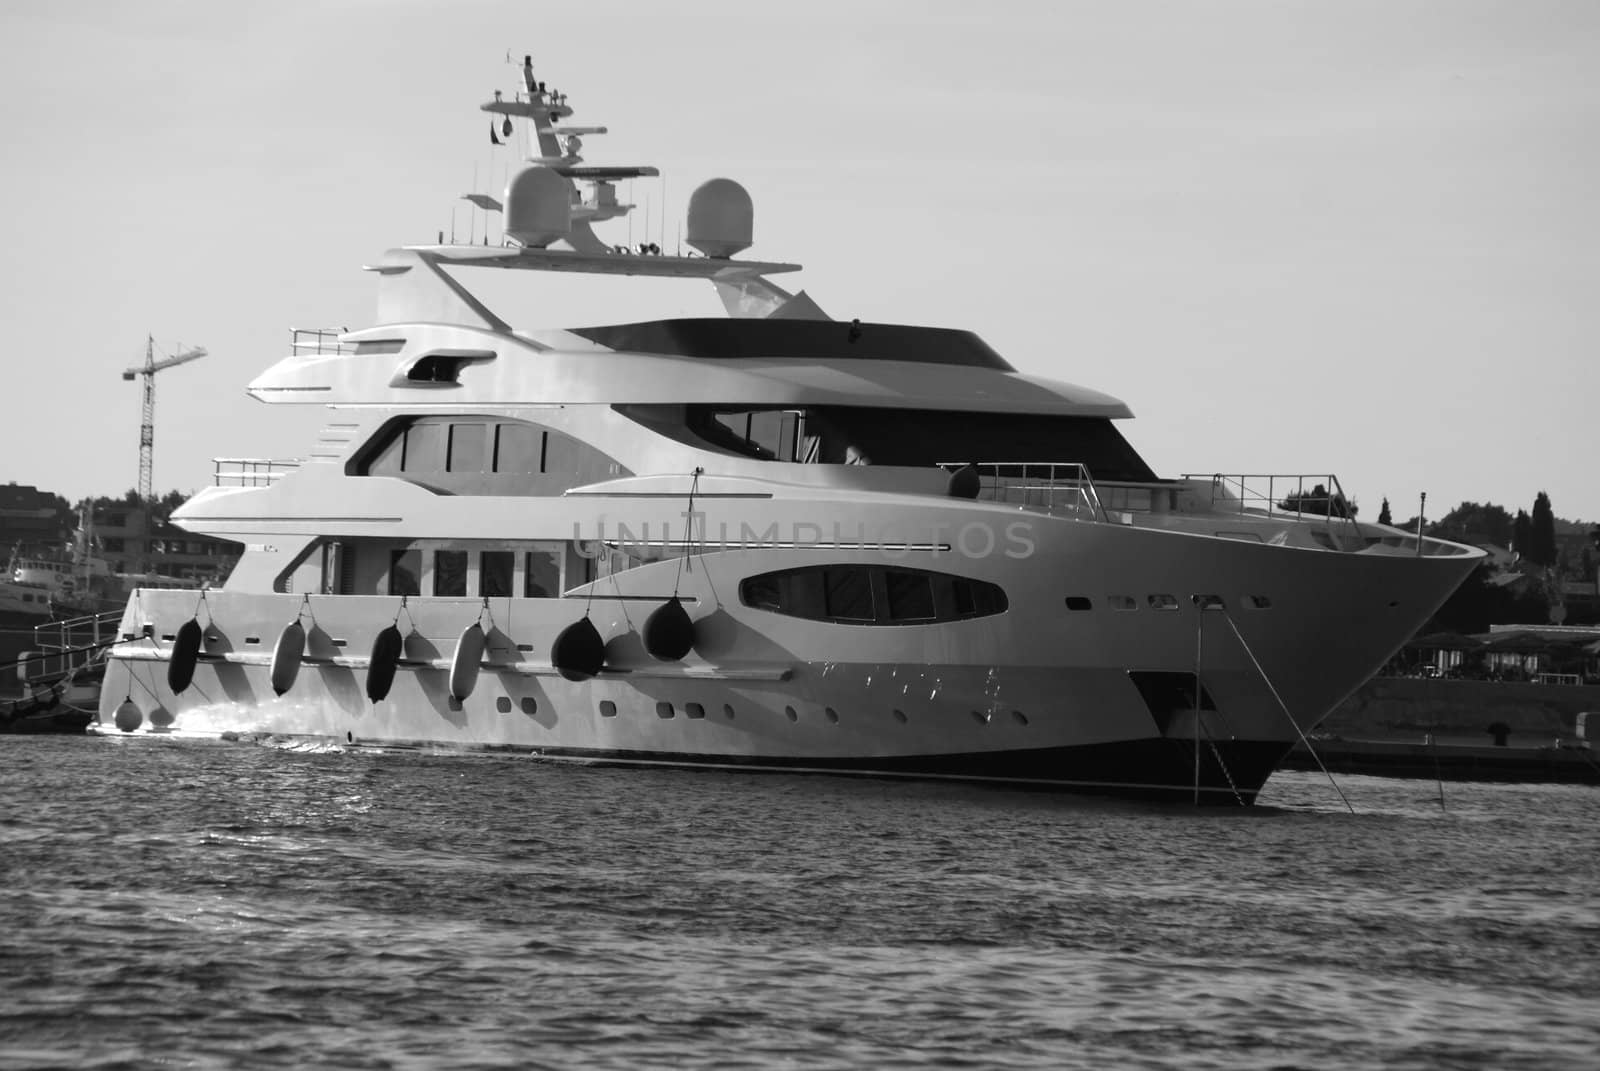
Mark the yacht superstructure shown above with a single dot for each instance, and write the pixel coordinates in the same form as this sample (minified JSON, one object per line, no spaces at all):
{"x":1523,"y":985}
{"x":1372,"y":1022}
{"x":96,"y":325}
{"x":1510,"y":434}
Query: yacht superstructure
{"x":774,"y":540}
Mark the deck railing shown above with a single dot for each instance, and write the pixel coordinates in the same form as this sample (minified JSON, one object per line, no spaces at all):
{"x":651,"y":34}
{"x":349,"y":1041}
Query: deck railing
{"x":1054,"y":487}
{"x":251,"y":471}
{"x":69,"y":646}
{"x":318,"y":340}
{"x":1295,"y":494}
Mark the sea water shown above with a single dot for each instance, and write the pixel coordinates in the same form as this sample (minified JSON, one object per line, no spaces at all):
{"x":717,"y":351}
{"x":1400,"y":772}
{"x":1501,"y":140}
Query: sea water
{"x":204,"y":904}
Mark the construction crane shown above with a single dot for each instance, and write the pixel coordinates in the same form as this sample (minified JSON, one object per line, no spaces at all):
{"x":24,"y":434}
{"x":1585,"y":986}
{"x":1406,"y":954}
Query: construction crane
{"x":147,"y":431}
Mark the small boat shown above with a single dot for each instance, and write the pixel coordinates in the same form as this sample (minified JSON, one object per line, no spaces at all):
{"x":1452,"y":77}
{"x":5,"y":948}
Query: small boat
{"x":62,"y":675}
{"x":57,"y":708}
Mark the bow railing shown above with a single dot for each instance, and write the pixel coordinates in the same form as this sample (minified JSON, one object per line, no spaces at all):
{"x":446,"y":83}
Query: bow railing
{"x":1296,"y":495}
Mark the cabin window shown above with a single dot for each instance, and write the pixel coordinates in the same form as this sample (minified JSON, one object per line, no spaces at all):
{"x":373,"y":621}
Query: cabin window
{"x":908,"y":437}
{"x":974,"y":598}
{"x":772,"y":434}
{"x":518,"y":448}
{"x":910,"y":595}
{"x":468,"y":447}
{"x":848,"y":593}
{"x":541,"y":578}
{"x":494,"y":573}
{"x":405,"y":572}
{"x":345,"y":562}
{"x":480,"y":455}
{"x":450,"y":572}
{"x":797,"y":592}
{"x":871,"y":595}
{"x":424,"y":448}
{"x":562,"y":453}
{"x":336,"y":571}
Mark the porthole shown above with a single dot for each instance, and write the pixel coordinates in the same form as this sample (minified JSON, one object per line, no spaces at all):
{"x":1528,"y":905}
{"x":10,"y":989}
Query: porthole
{"x":1020,"y":717}
{"x":1210,"y":602}
{"x":980,"y":717}
{"x":831,"y":714}
{"x":1163,"y":602}
{"x":664,"y":710}
{"x":899,"y":716}
{"x":1261,"y":602}
{"x":790,"y":714}
{"x":503,"y":704}
{"x":727,"y":711}
{"x":1122,"y":602}
{"x":1079,"y":602}
{"x":694,"y":710}
{"x":608,"y":709}
{"x":530,"y":705}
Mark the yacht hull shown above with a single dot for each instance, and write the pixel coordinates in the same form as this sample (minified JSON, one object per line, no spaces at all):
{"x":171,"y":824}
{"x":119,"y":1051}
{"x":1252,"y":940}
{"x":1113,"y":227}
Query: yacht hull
{"x":1098,"y":701}
{"x":728,"y":725}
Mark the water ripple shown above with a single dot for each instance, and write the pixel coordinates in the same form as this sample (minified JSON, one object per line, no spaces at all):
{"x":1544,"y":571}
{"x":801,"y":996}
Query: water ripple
{"x":204,"y":905}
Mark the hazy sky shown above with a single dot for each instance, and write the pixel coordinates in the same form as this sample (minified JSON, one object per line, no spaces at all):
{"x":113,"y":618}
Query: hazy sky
{"x":1353,"y":237}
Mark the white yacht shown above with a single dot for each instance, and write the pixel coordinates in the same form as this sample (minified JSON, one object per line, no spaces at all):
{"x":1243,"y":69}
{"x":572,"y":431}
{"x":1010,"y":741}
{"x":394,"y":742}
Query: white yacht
{"x":768,"y":541}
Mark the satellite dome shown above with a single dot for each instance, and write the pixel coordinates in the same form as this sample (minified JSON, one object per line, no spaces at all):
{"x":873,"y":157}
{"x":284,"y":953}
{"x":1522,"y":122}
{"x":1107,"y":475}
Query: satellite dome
{"x":721,"y":218}
{"x":538,"y":207}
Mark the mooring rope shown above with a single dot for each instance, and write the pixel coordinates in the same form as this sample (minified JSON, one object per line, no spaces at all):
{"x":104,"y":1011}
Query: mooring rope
{"x":1226,"y":616}
{"x":1223,"y":766}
